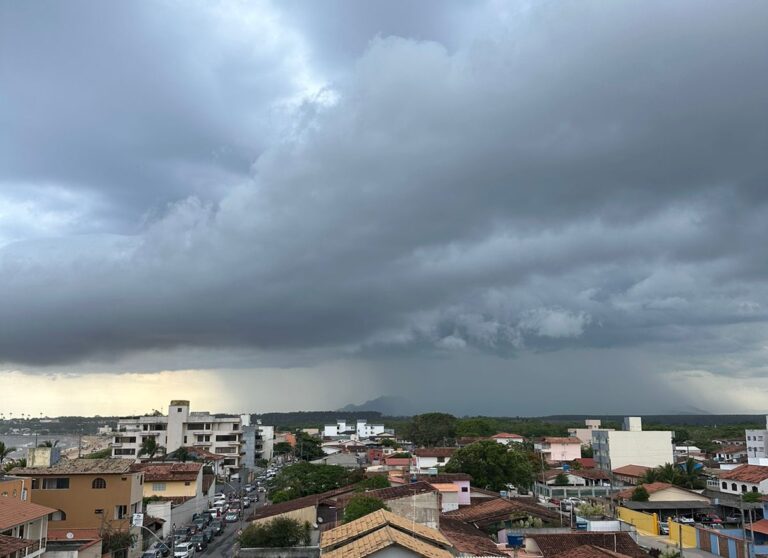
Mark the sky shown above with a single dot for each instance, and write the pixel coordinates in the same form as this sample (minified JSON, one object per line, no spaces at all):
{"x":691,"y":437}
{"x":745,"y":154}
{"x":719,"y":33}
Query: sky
{"x":502,"y":208}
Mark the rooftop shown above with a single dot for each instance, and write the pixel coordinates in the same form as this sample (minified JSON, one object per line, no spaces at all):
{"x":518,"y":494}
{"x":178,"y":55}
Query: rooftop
{"x":488,"y":509}
{"x":382,"y":538}
{"x":434,"y":452}
{"x":14,"y":511}
{"x":631,"y":470}
{"x":468,"y":539}
{"x":10,"y":545}
{"x":590,"y":551}
{"x":552,"y":545}
{"x":561,"y":440}
{"x":746,"y":473}
{"x":169,"y":472}
{"x":650,"y":487}
{"x":507,"y":435}
{"x":79,"y":467}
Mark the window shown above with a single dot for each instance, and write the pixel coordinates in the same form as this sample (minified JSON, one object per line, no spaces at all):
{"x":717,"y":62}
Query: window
{"x":743,"y":487}
{"x":441,"y":459}
{"x":178,"y":409}
{"x":734,"y":487}
{"x":754,"y":489}
{"x":186,"y":483}
{"x":35,"y":484}
{"x":55,"y":483}
{"x":98,"y":511}
{"x":465,"y":489}
{"x":125,"y":451}
{"x":725,"y":485}
{"x":98,"y":483}
{"x":58,"y":515}
{"x":158,"y":486}
{"x":121,"y":512}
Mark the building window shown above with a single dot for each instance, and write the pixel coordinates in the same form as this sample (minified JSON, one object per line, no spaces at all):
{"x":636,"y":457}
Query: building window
{"x":178,"y":409}
{"x":754,"y":489}
{"x":121,"y":512}
{"x":725,"y":485}
{"x":58,"y":515}
{"x":35,"y":484}
{"x":465,"y":489}
{"x":158,"y":486}
{"x":98,"y":483}
{"x":734,"y":487}
{"x":56,"y":483}
{"x":98,"y":511}
{"x":743,"y":487}
{"x":186,"y":483}
{"x":441,"y":459}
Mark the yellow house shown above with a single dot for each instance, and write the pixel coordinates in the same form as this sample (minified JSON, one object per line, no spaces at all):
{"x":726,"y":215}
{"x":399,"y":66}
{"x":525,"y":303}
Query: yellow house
{"x":172,"y":480}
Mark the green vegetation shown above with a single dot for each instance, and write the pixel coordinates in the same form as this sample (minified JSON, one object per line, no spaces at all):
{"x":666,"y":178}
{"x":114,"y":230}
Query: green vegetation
{"x":561,"y":479}
{"x":361,"y":505}
{"x":100,"y":454}
{"x":373,"y":483}
{"x":686,"y":475}
{"x":282,"y":448}
{"x":431,"y":429}
{"x":150,"y":448}
{"x":494,"y":465}
{"x":308,"y":447}
{"x":640,"y":494}
{"x":401,"y":455}
{"x":5,"y":452}
{"x":752,"y":497}
{"x":591,"y":510}
{"x":303,"y":479}
{"x":281,"y":532}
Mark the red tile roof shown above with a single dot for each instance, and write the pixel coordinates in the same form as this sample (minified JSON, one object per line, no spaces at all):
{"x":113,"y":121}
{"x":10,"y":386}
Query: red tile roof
{"x":590,"y":551}
{"x":504,"y":435}
{"x":468,"y":539}
{"x":169,"y":472}
{"x":732,"y":448}
{"x":754,"y":474}
{"x":489,"y":509}
{"x":434,"y":452}
{"x":760,"y":526}
{"x":10,"y":545}
{"x":391,"y":493}
{"x":587,"y":462}
{"x":561,"y":440}
{"x":13,"y":512}
{"x":650,"y":487}
{"x":631,"y":470}
{"x":552,"y":545}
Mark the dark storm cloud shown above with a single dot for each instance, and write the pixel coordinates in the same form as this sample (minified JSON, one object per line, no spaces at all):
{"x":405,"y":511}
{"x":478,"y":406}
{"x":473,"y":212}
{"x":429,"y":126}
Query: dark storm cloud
{"x":569,"y":176}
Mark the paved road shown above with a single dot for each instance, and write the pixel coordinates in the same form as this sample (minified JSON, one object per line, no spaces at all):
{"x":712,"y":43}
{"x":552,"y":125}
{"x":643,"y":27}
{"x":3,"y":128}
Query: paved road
{"x":662,"y":543}
{"x":221,"y":547}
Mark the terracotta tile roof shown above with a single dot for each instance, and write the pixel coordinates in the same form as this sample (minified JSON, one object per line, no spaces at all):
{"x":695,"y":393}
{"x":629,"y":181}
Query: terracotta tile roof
{"x":106,"y":466}
{"x":747,"y":473}
{"x":650,"y":487}
{"x":468,"y":539}
{"x":434,"y":452}
{"x":272,"y":510}
{"x":505,"y":435}
{"x":394,"y":492}
{"x":205,"y":454}
{"x":552,"y":545}
{"x":344,"y":534}
{"x":446,"y":486}
{"x":383,"y":538}
{"x":445,"y":477}
{"x":169,"y":472}
{"x":13,"y":512}
{"x":760,"y":526}
{"x":9,"y":545}
{"x":489,"y":509}
{"x":586,"y":462}
{"x":631,"y":470}
{"x":590,"y":551}
{"x":561,"y":440}
{"x":732,"y":448}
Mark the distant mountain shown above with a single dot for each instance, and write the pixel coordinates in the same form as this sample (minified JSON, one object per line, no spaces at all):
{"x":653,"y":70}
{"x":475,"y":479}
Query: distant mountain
{"x":387,"y":405}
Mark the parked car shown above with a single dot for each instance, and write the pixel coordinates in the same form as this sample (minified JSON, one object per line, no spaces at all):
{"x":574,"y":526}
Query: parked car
{"x":164,"y":549}
{"x":200,"y":542}
{"x":663,"y":528}
{"x":231,"y":517}
{"x":208,"y":534}
{"x":248,"y":488}
{"x":184,"y":550}
{"x":733,"y":519}
{"x":684,"y":520}
{"x":217,"y":526}
{"x":151,"y":553}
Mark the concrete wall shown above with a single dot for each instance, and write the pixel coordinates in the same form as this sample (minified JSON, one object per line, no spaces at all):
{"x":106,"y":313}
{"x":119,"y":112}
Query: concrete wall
{"x":688,"y":534}
{"x":421,"y":508}
{"x":295,"y":552}
{"x":161,"y":510}
{"x":645,"y":523}
{"x":304,"y":514}
{"x":650,"y":449}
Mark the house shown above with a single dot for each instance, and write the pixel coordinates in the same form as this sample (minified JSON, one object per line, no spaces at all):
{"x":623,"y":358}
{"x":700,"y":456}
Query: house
{"x":383,"y":533}
{"x":630,"y":474}
{"x":23,"y":527}
{"x":731,"y":453}
{"x":558,"y":544}
{"x":468,"y":540}
{"x":346,"y":460}
{"x":88,"y":493}
{"x":431,"y":458}
{"x":631,"y":446}
{"x":418,"y":501}
{"x":74,"y":543}
{"x":666,"y":500}
{"x":178,"y":492}
{"x":745,"y":478}
{"x":492,"y":512}
{"x":585,"y":434}
{"x":507,"y":438}
{"x":581,"y":483}
{"x":221,"y":435}
{"x":558,"y":449}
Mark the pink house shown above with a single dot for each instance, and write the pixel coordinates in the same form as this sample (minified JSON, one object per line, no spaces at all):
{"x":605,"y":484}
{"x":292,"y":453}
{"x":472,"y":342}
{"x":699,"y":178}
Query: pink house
{"x":556,"y":449}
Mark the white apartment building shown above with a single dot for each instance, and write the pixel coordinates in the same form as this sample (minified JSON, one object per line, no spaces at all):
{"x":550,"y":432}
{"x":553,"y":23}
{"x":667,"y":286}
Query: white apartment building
{"x":360,"y":428}
{"x":632,"y":446}
{"x":221,"y":435}
{"x":756,"y":445}
{"x":585,"y":434}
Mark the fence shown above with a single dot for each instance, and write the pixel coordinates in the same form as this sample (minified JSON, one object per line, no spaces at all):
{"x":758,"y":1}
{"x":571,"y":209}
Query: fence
{"x":686,"y":532}
{"x":645,"y":523}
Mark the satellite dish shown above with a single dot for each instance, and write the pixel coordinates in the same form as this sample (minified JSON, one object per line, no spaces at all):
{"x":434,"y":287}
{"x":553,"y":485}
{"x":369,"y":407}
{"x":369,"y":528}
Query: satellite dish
{"x":70,"y":535}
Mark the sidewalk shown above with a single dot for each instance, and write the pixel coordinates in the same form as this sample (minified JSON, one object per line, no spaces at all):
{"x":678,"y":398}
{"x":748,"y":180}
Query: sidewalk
{"x":663,"y":543}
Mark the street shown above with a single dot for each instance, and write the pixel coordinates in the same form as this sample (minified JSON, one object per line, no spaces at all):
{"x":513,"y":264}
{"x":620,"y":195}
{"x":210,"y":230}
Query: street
{"x":221,"y":547}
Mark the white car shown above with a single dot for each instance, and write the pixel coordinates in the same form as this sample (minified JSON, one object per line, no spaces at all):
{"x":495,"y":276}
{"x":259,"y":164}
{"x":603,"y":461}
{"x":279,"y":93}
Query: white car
{"x":184,"y":550}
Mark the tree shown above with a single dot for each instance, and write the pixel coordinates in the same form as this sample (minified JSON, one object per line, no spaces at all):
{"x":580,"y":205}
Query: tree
{"x":5,"y":452}
{"x":587,"y":451}
{"x":475,"y":426}
{"x":640,"y":494}
{"x":751,"y":497}
{"x":282,"y":448}
{"x":281,"y":532}
{"x":389,"y":443}
{"x":48,"y":444}
{"x":590,"y":510}
{"x":561,"y":479}
{"x":374,"y":482}
{"x":308,"y":447}
{"x":493,"y":465}
{"x":689,"y":474}
{"x":432,"y":429}
{"x":360,"y":505}
{"x":650,"y":476}
{"x":303,"y":479}
{"x":150,"y":447}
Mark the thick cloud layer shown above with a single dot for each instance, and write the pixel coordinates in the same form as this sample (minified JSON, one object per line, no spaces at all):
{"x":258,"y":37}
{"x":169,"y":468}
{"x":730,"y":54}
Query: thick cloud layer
{"x":586,"y":176}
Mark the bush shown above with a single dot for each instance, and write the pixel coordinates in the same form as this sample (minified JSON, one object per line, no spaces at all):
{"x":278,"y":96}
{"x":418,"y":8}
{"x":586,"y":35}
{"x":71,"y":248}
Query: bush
{"x":278,"y":533}
{"x":374,"y":482}
{"x":361,"y":505}
{"x":640,"y":494}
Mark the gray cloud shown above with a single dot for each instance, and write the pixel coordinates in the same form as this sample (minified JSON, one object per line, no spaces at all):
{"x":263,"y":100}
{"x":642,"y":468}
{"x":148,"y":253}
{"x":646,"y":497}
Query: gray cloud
{"x":559,"y":178}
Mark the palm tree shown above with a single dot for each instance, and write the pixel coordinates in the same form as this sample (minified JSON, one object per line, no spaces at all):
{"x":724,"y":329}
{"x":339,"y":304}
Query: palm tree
{"x":150,"y":448}
{"x":48,"y":444}
{"x":688,"y":473}
{"x":5,"y":452}
{"x":669,"y":472}
{"x":651,"y":475}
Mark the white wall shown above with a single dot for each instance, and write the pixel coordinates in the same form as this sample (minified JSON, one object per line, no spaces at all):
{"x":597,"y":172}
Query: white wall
{"x":649,"y":448}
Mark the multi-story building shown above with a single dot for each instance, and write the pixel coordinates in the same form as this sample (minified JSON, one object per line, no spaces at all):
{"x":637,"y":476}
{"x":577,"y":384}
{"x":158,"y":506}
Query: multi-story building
{"x":757,"y":441}
{"x":632,"y":446}
{"x":585,"y":434}
{"x":87,"y":493}
{"x":361,"y":429}
{"x":258,"y":442}
{"x":217,"y":434}
{"x":558,"y":449}
{"x":745,"y":478}
{"x":432,"y":458}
